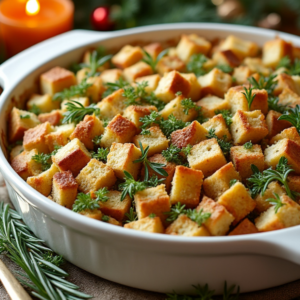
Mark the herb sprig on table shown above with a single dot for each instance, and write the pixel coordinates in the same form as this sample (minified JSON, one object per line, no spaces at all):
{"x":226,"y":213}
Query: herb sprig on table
{"x":259,"y":181}
{"x":41,"y":266}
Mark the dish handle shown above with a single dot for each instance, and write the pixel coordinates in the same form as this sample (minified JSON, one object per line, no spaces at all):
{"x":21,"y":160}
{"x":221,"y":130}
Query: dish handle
{"x":28,"y":60}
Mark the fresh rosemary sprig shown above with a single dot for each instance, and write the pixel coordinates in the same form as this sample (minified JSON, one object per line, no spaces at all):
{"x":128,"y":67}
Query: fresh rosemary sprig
{"x":40,"y":264}
{"x":266,"y":83}
{"x":248,"y":145}
{"x":96,"y":62}
{"x":225,"y":146}
{"x":131,"y":216}
{"x":195,"y":64}
{"x":188,"y":104}
{"x":276,"y":202}
{"x":85,"y":201}
{"x":197,"y":216}
{"x":292,"y":115}
{"x":227,"y":115}
{"x":295,"y":68}
{"x":35,"y":109}
{"x":156,"y":167}
{"x":285,"y":62}
{"x":101,"y":154}
{"x":249,"y":95}
{"x":74,"y":91}
{"x":259,"y":181}
{"x":114,"y":86}
{"x":152,"y":62}
{"x":292,"y":68}
{"x":274,"y":105}
{"x":76,"y":111}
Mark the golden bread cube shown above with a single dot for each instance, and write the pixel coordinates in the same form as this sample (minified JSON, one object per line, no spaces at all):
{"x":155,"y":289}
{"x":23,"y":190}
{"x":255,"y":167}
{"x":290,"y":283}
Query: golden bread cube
{"x":95,"y":214}
{"x":195,"y":91}
{"x":54,"y":117}
{"x":156,"y":141}
{"x":121,"y":158}
{"x":73,"y":156}
{"x":154,"y":200}
{"x":241,"y":48}
{"x":153,"y":49}
{"x":210,"y":104}
{"x":15,"y":151}
{"x":25,"y":166}
{"x":215,"y":82}
{"x":153,"y":225}
{"x":82,"y":74}
{"x":87,"y":129}
{"x":127,"y":56}
{"x":220,"y":219}
{"x":59,"y":137}
{"x":114,"y":207}
{"x":243,"y":158}
{"x":169,"y":168}
{"x":256,"y":66}
{"x":237,"y":100}
{"x":82,"y":100}
{"x":245,"y":227}
{"x":97,"y":88}
{"x":119,"y":130}
{"x":289,"y":133}
{"x":206,"y":156}
{"x":237,"y":201}
{"x":152,"y":81}
{"x":192,"y":44}
{"x":94,"y":176}
{"x":296,"y":79}
{"x":111,"y":221}
{"x":64,"y":189}
{"x":287,"y":215}
{"x":190,"y":135}
{"x":135,"y":112}
{"x":289,"y":98}
{"x":241,"y":75}
{"x":219,"y":182}
{"x":285,"y":81}
{"x":184,"y":226}
{"x":43,"y":182}
{"x":177,"y":109}
{"x":294,"y":184}
{"x":273,"y":51}
{"x":186,"y":186}
{"x":219,"y":125}
{"x":261,"y":203}
{"x":226,"y":57}
{"x":287,"y":148}
{"x":43,"y":102}
{"x":170,"y":84}
{"x":170,"y":63}
{"x":139,"y":69}
{"x":274,"y":125}
{"x":18,"y":123}
{"x":56,"y":80}
{"x":111,"y":75}
{"x":34,"y":138}
{"x":113,"y":104}
{"x":248,"y":126}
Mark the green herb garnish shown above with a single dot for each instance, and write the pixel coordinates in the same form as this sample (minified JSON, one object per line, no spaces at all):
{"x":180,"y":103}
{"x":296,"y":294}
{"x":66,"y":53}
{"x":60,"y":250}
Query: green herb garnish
{"x":172,"y":154}
{"x":248,"y":145}
{"x":195,"y":64}
{"x":225,"y":146}
{"x":76,"y":111}
{"x":225,"y":68}
{"x":274,"y":105}
{"x":131,"y":216}
{"x":84,"y":202}
{"x":188,"y":104}
{"x":97,"y":139}
{"x":292,"y":115}
{"x":101,"y":195}
{"x":45,"y":159}
{"x":24,"y":117}
{"x":264,"y":83}
{"x":276,"y":202}
{"x":152,"y":62}
{"x":35,"y":109}
{"x":249,"y":95}
{"x":232,"y":182}
{"x":285,"y":62}
{"x":226,"y":114}
{"x":152,"y":216}
{"x":101,"y":154}
{"x":114,"y":86}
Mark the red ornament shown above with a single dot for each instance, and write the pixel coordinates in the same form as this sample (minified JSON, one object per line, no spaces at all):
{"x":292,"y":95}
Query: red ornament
{"x":100,"y":19}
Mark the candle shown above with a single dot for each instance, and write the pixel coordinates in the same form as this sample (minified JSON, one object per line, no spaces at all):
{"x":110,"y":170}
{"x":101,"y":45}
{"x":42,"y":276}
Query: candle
{"x":24,"y":23}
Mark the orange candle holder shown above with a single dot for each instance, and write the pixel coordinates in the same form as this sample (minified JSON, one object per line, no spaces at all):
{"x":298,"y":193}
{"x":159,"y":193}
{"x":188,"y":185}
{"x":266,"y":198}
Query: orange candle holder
{"x":24,"y":23}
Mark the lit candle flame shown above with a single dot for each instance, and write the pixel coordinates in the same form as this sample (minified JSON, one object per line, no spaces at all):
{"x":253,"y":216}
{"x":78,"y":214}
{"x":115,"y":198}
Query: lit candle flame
{"x":32,"y":7}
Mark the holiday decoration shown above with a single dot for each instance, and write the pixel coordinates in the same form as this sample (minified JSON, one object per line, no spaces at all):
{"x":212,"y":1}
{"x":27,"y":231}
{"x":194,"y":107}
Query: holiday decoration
{"x":101,"y":20}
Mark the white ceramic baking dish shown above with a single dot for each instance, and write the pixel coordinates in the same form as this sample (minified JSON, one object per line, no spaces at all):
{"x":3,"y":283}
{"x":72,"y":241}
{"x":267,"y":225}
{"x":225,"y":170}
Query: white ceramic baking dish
{"x":153,"y":262}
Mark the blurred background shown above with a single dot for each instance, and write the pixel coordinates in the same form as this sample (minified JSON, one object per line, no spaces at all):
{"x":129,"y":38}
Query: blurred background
{"x":282,"y":15}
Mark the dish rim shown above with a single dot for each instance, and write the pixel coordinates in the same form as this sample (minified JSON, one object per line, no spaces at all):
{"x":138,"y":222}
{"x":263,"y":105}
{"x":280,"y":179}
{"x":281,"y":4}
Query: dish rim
{"x":94,"y":227}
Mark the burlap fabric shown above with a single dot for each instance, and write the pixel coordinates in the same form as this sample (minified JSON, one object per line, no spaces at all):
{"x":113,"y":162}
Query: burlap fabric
{"x":102,"y":289}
